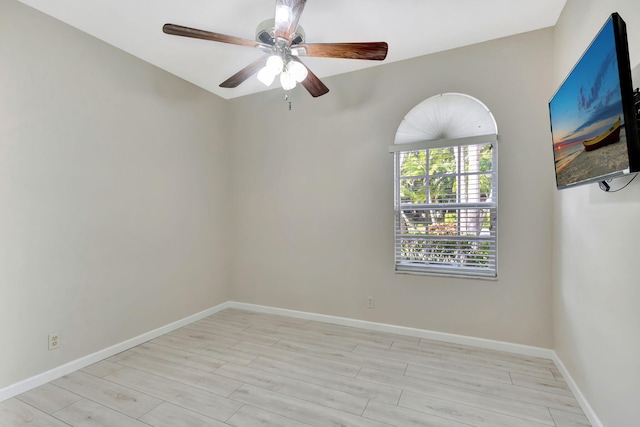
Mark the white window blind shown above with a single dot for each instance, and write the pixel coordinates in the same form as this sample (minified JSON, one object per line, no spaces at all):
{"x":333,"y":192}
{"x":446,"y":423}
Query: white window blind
{"x":446,"y":208}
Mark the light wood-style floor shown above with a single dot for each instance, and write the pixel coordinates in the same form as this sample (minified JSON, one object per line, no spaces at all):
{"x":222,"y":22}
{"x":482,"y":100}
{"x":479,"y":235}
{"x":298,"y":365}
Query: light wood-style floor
{"x":241,"y":368}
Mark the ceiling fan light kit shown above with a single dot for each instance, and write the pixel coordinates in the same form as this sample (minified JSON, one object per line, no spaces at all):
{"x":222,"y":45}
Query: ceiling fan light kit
{"x":283,"y":42}
{"x":291,"y":72}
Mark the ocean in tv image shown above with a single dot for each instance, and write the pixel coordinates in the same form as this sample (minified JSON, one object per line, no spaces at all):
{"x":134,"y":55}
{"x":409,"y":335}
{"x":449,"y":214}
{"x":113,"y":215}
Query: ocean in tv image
{"x":587,"y":119}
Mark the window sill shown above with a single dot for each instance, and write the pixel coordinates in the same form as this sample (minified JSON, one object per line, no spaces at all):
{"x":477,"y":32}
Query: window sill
{"x":486,"y":278}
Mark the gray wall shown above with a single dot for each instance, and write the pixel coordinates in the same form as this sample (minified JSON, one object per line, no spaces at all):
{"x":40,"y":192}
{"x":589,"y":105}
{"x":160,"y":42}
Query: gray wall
{"x":117,"y":214}
{"x":596,"y":282}
{"x":112,"y":195}
{"x":313,"y":195}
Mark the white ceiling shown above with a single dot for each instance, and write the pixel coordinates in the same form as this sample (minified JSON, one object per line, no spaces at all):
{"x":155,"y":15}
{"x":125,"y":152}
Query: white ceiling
{"x":411,"y":28}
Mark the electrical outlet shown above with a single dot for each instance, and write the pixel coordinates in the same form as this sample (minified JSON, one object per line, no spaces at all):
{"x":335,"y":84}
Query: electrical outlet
{"x":54,"y":341}
{"x":370,"y":302}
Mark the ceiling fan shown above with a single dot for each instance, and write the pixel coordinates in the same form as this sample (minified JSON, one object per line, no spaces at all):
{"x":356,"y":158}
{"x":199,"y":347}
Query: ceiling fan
{"x":283,"y":42}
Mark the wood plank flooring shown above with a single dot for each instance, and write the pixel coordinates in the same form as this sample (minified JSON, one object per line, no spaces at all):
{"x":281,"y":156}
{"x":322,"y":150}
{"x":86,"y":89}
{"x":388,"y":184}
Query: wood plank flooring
{"x":245,"y":369}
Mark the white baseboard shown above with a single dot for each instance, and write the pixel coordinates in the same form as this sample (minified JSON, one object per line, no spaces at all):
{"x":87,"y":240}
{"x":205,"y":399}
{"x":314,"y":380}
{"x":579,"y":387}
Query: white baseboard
{"x":584,"y":404}
{"x":67,"y":368}
{"x":45,"y":377}
{"x":402,"y":330}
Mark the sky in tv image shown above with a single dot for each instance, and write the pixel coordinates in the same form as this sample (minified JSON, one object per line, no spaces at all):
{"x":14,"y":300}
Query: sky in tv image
{"x":589,"y":101}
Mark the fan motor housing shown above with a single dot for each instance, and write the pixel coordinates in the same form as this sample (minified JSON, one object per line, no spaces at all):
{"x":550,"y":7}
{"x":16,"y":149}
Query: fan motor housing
{"x":265,"y":33}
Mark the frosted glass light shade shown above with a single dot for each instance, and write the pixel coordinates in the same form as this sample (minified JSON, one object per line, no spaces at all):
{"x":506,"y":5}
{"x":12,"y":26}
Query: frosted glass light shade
{"x":266,"y":76}
{"x":287,"y":80}
{"x":272,"y":68}
{"x":274,"y":64}
{"x":298,"y":70}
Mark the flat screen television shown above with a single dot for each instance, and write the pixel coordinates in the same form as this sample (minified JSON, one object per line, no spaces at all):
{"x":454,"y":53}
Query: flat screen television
{"x":592,"y":114}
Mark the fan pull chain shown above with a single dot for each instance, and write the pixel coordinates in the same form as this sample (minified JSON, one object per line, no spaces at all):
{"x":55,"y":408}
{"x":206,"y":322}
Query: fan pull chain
{"x":286,"y":98}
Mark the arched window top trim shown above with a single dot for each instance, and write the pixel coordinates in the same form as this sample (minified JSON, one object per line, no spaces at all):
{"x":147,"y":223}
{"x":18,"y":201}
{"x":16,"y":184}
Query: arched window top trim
{"x":449,"y":117}
{"x":440,"y":143}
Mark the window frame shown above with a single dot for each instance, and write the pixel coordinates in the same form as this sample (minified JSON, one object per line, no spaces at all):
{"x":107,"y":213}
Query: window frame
{"x":404,"y":266}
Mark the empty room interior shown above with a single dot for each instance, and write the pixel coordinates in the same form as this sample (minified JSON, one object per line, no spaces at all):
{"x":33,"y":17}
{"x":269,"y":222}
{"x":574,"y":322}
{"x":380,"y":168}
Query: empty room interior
{"x":146,"y":220}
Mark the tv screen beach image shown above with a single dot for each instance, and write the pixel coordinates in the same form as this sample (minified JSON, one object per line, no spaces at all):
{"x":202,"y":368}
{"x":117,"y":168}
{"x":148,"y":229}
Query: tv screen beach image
{"x":587,"y":120}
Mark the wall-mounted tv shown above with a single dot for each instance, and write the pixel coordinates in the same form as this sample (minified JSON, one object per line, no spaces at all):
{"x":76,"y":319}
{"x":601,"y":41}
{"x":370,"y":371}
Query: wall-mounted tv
{"x":593,"y":117}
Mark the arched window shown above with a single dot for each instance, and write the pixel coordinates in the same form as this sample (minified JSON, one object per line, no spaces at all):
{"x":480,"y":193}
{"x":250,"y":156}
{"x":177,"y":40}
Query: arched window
{"x":446,"y":182}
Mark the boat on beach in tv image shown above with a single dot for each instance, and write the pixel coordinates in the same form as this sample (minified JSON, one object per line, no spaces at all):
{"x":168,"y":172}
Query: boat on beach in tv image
{"x":587,"y":118}
{"x":609,"y":137}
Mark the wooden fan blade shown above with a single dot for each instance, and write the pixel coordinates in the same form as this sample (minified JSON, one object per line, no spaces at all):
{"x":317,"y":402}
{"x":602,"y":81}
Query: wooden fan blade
{"x":178,"y":30}
{"x":312,"y":83}
{"x":287,"y":16}
{"x":376,"y":51}
{"x":245,"y":73}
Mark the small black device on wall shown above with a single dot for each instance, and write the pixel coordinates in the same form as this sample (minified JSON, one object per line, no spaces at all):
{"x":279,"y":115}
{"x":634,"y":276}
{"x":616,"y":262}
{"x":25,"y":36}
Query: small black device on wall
{"x":594,"y":113}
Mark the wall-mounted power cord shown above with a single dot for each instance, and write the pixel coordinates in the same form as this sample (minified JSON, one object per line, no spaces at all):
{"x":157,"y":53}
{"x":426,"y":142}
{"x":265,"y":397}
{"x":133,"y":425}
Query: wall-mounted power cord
{"x":604,"y":185}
